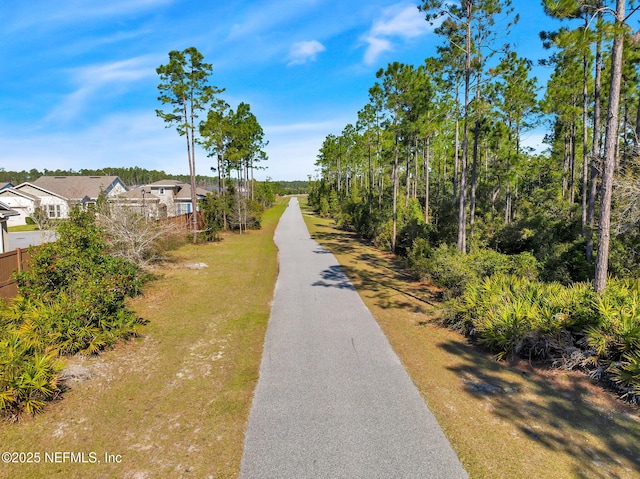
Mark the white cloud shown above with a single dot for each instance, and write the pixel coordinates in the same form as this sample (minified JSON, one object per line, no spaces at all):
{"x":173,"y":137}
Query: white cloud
{"x":535,"y":139}
{"x":376,"y":47}
{"x":263,"y":17}
{"x":62,"y":14}
{"x":303,"y":52}
{"x":93,"y":79}
{"x":400,"y":21}
{"x":320,"y":126}
{"x":293,"y":147}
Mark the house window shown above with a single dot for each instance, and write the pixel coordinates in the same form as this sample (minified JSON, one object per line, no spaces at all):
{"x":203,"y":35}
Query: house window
{"x":54,"y":211}
{"x":183,"y":208}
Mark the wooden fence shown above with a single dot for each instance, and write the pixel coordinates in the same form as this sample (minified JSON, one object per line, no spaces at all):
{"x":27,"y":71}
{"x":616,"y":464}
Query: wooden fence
{"x":184,"y":221}
{"x":13,"y":261}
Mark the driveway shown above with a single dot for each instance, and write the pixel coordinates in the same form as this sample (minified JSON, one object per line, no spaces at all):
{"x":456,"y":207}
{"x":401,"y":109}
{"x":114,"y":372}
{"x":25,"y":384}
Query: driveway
{"x":333,"y":400}
{"x":24,"y":239}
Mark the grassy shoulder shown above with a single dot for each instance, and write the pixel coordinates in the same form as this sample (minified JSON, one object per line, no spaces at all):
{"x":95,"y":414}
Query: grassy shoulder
{"x":20,"y":228}
{"x":175,"y":402}
{"x":505,"y":420}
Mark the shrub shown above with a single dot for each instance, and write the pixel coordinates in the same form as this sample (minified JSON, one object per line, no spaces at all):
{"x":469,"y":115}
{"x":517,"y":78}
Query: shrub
{"x":71,"y":300}
{"x":418,"y":258}
{"x":513,"y":315}
{"x":449,"y":269}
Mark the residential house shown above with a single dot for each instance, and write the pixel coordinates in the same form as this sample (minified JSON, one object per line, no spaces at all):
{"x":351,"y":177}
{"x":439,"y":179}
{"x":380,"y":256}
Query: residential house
{"x":54,"y":205}
{"x":20,"y":201}
{"x":175,"y":195}
{"x":58,"y":194}
{"x":5,"y":213}
{"x":140,"y":200}
{"x":4,"y":186}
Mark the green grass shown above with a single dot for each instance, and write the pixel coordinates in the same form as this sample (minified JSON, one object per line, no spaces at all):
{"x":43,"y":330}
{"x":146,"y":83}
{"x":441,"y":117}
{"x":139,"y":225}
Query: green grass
{"x":19,"y":228}
{"x":174,"y":403}
{"x":505,"y":420}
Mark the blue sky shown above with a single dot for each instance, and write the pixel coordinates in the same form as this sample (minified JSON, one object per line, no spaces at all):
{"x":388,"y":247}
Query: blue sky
{"x":79,"y":87}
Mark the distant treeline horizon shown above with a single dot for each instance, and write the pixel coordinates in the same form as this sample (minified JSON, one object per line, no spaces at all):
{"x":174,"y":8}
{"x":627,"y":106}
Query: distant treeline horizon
{"x":132,"y":176}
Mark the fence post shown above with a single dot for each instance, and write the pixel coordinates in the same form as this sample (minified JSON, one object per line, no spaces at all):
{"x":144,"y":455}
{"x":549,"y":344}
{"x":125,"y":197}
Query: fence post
{"x":19,"y":258}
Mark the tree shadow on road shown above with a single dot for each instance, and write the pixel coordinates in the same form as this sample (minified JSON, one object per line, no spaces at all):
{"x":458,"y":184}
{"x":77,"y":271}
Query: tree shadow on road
{"x":334,"y":277}
{"x":384,"y":277}
{"x":539,"y":415}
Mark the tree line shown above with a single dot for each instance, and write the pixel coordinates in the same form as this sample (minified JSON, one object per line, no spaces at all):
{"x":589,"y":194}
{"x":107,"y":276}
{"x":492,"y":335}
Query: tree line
{"x":538,"y":254}
{"x":130,"y":176}
{"x":446,"y":137}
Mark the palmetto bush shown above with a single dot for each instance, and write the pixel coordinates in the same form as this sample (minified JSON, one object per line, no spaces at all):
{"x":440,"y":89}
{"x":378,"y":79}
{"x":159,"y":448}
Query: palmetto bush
{"x":29,"y":365}
{"x":72,"y":300}
{"x":512,"y":315}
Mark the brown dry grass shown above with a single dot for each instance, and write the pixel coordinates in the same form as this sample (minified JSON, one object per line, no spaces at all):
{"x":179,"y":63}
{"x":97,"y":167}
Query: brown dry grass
{"x":175,"y":402}
{"x":504,"y":420}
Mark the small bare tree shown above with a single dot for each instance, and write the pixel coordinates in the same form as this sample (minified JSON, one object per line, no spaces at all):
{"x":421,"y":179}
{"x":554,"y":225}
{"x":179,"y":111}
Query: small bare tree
{"x":135,"y":237}
{"x":626,"y":217}
{"x":45,"y":224}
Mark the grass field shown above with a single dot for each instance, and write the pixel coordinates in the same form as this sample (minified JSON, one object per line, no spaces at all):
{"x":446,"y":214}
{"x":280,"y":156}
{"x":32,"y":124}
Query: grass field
{"x":505,"y":420}
{"x":175,"y":402}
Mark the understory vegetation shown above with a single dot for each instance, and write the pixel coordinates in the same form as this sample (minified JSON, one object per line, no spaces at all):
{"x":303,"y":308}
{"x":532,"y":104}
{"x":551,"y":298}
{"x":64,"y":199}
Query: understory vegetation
{"x":236,"y":211}
{"x":71,"y":300}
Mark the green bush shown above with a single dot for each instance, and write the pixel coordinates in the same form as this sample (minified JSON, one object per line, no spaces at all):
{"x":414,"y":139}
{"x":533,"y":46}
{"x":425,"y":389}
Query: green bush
{"x":71,"y":300}
{"x":449,"y":269}
{"x":29,"y":375}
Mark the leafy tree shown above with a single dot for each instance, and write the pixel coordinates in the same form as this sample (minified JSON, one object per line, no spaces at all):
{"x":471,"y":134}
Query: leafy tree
{"x":515,"y":92}
{"x":184,"y":87}
{"x":467,"y":25}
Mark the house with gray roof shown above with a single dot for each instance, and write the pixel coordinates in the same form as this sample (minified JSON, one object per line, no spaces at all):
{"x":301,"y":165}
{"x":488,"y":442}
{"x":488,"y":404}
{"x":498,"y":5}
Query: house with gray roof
{"x":140,"y":200}
{"x":79,"y":189}
{"x":59,"y":194}
{"x":176,"y":195}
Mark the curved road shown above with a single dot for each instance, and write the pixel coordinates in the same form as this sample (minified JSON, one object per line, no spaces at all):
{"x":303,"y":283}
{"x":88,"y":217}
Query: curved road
{"x":333,"y":400}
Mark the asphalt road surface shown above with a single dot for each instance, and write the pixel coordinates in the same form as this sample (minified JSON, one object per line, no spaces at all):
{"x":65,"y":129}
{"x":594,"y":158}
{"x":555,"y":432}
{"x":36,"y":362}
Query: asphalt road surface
{"x":24,"y":239}
{"x":333,"y":400}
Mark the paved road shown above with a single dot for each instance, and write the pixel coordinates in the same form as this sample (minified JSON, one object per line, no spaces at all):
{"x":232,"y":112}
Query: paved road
{"x":333,"y":400}
{"x":24,"y":239}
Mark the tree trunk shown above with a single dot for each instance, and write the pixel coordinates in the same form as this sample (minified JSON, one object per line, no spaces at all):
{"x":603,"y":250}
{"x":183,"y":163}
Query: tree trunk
{"x":462,"y":213}
{"x":572,"y":153}
{"x":474,"y":172}
{"x":426,"y":154}
{"x":585,"y":140}
{"x":456,"y":158}
{"x":394,"y":178}
{"x":595,"y":148}
{"x":636,"y":143}
{"x":408,"y":173}
{"x":604,"y":224}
